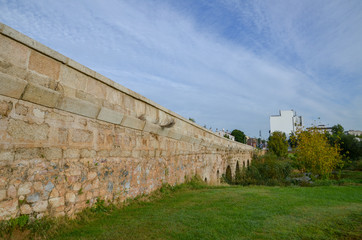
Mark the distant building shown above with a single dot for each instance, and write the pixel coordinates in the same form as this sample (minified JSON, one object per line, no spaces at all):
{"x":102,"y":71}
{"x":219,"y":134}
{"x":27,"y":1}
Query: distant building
{"x":354,"y":132}
{"x":322,"y":129}
{"x":223,"y":133}
{"x":287,"y":122}
{"x":252,"y":142}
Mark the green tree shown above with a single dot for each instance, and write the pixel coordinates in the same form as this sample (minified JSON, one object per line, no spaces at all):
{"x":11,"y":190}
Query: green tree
{"x":228,"y":175}
{"x":293,"y":141}
{"x":278,"y":144}
{"x":239,"y":135}
{"x":337,"y":130}
{"x":315,"y":154}
{"x":351,"y":148}
{"x":237,"y":173}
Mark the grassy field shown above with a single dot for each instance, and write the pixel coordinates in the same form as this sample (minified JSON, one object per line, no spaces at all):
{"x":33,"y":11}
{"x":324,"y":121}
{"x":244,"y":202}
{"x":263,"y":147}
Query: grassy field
{"x":257,"y":212}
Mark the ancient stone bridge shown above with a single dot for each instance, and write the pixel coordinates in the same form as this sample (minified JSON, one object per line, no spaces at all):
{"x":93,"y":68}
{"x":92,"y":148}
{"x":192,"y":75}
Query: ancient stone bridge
{"x":69,"y":135}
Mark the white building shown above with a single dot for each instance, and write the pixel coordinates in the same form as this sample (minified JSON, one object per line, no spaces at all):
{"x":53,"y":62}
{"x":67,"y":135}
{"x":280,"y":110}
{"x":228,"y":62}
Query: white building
{"x":287,"y":122}
{"x":354,"y":132}
{"x":223,"y":133}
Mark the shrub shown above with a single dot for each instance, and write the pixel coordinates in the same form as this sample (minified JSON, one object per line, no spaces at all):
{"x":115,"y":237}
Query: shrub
{"x":278,"y":144}
{"x":237,"y":173}
{"x":267,"y":170}
{"x":350,"y":147}
{"x":228,"y":176}
{"x":316,"y":155}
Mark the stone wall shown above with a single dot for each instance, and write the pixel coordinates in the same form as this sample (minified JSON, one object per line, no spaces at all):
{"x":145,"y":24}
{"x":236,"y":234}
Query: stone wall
{"x":69,"y":135}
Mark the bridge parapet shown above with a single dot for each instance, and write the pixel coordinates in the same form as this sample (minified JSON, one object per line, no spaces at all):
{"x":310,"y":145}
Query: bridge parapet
{"x":69,"y":135}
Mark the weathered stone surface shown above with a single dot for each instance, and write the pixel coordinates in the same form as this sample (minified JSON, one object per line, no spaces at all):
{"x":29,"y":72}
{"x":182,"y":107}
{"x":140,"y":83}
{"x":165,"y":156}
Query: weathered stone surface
{"x":197,"y":140}
{"x":41,"y":95}
{"x":8,"y":209}
{"x":21,"y":109}
{"x":38,"y":114}
{"x":73,"y":78}
{"x":78,"y":106}
{"x":44,"y":65}
{"x":41,"y":80}
{"x":70,"y":197}
{"x":132,"y":122}
{"x":49,"y":187}
{"x":152,"y":128}
{"x":12,"y":191}
{"x":82,"y":136}
{"x":5,"y":108}
{"x":174,"y":135}
{"x":11,"y":86}
{"x":38,"y":186}
{"x":109,"y":115}
{"x":56,"y":202}
{"x":71,"y":153}
{"x":54,"y":193}
{"x":52,"y":153}
{"x":27,"y":41}
{"x":77,"y":186}
{"x":92,"y":175}
{"x":2,"y":194}
{"x":27,"y":153}
{"x":103,"y":153}
{"x":25,"y":209}
{"x":117,"y":152}
{"x":22,"y":130}
{"x":40,"y":206}
{"x":164,"y":132}
{"x":186,"y":138}
{"x":24,"y":188}
{"x":6,"y":156}
{"x":13,"y":52}
{"x":33,"y":198}
{"x":62,"y":135}
{"x":88,"y":97}
{"x":86,"y":153}
{"x":81,"y":68}
{"x":12,"y":70}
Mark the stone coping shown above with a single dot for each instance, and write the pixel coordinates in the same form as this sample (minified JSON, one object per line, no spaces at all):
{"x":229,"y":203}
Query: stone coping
{"x":31,"y":43}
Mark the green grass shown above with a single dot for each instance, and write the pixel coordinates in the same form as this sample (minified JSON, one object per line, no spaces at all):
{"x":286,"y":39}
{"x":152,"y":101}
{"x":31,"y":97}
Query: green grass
{"x":256,"y":212}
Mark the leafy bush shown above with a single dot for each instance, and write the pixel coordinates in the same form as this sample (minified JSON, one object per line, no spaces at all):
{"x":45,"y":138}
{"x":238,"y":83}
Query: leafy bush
{"x":278,"y":144}
{"x":351,"y":147}
{"x":315,"y":154}
{"x":228,"y":176}
{"x":267,"y":170}
{"x":237,"y":173}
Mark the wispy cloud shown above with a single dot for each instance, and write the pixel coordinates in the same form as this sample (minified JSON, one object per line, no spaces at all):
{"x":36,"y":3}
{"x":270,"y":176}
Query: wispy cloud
{"x":228,"y":64}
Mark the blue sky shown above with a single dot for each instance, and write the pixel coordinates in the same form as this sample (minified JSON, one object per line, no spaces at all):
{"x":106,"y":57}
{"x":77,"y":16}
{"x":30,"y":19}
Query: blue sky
{"x":227,"y":64}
